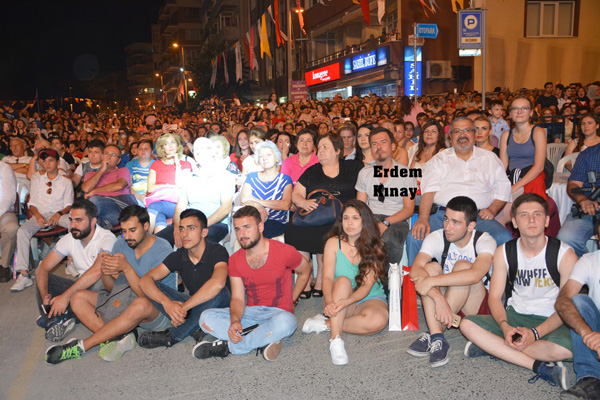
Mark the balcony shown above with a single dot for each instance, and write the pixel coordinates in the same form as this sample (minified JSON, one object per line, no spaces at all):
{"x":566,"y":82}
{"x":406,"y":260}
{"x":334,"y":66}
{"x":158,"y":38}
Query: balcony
{"x":392,"y":40}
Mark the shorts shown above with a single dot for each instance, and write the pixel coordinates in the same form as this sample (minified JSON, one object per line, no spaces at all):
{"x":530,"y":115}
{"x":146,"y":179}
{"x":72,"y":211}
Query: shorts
{"x":160,"y":323}
{"x":376,"y":297}
{"x":560,"y":336}
{"x":484,"y":308}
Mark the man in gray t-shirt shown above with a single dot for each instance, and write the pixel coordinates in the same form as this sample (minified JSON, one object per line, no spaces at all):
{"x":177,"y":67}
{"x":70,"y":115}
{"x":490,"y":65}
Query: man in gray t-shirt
{"x":389,"y":189}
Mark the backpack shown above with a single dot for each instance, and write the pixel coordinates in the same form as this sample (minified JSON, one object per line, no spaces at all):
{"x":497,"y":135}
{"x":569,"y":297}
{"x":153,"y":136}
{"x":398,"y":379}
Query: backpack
{"x":510,"y":248}
{"x":447,"y":247}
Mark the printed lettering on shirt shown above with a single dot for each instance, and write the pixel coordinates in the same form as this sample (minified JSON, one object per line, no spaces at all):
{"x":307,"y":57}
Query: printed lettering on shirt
{"x":538,"y":277}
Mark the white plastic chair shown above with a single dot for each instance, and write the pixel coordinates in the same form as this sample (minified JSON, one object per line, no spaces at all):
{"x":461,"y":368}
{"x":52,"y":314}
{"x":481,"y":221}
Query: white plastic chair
{"x":554,"y":151}
{"x":561,"y":164}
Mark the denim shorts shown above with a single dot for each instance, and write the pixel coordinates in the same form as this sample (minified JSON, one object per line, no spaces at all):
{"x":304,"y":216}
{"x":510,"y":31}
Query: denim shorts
{"x":378,"y":297}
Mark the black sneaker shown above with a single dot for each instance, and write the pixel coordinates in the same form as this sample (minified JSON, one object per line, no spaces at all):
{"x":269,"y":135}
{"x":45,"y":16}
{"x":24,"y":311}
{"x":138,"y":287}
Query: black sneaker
{"x":439,"y":353}
{"x":198,"y":335}
{"x":5,"y":275}
{"x":151,"y":340}
{"x":473,"y":351}
{"x":218,"y":348}
{"x":420,"y":347}
{"x":587,"y":388}
{"x":553,"y":373}
{"x":59,"y":353}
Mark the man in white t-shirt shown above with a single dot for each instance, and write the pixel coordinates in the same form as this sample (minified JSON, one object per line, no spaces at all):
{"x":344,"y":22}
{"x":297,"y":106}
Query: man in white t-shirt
{"x":453,"y":282}
{"x":580,"y":313}
{"x":528,"y":271}
{"x":84,"y":243}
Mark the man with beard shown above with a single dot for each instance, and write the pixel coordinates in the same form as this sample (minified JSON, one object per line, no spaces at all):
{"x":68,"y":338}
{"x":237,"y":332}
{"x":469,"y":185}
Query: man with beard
{"x":84,"y":244}
{"x":109,"y":313}
{"x":260,"y":314}
{"x":462,"y":170}
{"x":375,"y":187}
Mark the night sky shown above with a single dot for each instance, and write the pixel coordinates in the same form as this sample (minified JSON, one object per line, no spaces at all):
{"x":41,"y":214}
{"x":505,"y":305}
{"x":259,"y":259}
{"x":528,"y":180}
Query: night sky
{"x":44,"y":40}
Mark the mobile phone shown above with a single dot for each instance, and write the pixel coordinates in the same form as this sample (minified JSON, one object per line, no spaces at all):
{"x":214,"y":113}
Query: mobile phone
{"x":249,"y":329}
{"x":46,"y":308}
{"x":456,"y":320}
{"x":516,"y":337}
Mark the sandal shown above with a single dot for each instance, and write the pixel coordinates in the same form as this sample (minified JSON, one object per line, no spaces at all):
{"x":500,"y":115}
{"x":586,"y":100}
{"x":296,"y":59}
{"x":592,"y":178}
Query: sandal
{"x":306,"y":295}
{"x":317,"y":293}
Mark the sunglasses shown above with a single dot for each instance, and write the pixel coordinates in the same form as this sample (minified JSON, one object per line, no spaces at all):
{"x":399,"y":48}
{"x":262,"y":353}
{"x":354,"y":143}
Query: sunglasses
{"x":49,"y":184}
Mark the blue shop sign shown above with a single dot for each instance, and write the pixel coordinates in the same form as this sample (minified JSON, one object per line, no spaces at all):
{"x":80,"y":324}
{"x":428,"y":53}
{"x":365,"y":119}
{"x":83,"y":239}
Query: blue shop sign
{"x":412,"y":71}
{"x":364,"y":61}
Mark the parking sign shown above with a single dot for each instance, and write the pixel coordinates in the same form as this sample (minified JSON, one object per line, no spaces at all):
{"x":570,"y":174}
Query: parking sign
{"x":471,"y":28}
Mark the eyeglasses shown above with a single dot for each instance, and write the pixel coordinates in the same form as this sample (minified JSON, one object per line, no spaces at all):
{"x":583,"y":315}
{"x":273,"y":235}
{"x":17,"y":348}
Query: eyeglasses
{"x":49,"y":184}
{"x":457,"y":131}
{"x":517,"y":109}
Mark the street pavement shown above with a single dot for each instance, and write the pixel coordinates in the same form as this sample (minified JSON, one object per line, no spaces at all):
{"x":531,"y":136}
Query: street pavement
{"x":379,"y":368}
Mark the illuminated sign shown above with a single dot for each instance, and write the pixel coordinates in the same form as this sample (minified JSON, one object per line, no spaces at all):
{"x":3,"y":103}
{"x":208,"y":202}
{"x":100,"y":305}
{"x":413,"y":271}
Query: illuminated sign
{"x":371,"y":59}
{"x":322,"y":75}
{"x":411,"y":71}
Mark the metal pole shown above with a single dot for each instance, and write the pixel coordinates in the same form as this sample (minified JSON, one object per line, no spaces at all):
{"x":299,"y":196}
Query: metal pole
{"x":184,"y":78}
{"x":289,"y":49}
{"x":415,"y":61}
{"x":483,"y":34}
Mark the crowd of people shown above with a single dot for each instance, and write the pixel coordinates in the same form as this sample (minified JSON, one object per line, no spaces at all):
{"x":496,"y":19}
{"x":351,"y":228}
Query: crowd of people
{"x":247,"y":195}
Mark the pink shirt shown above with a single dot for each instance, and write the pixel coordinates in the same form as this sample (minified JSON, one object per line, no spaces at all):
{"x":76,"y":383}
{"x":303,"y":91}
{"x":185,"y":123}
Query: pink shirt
{"x":292,"y":168}
{"x":112,"y":177}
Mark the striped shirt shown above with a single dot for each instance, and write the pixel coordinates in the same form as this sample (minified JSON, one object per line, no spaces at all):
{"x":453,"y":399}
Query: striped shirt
{"x":272,"y":190}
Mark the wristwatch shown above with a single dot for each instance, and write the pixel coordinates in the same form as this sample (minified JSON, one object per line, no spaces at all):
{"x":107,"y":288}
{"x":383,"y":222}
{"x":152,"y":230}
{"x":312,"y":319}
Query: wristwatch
{"x":60,"y":213}
{"x":386,"y":222}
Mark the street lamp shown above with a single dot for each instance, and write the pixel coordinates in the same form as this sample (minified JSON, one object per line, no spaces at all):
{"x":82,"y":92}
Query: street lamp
{"x":162,"y":89}
{"x":176,"y":45}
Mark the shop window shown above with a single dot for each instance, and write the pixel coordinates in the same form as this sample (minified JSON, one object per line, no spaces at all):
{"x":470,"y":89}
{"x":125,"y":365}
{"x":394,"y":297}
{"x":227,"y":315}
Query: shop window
{"x":547,"y":19}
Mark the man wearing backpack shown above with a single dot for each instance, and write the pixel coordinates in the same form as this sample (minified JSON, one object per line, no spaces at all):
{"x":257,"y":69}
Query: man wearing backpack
{"x":580,"y":313}
{"x":449,"y":273}
{"x":529,"y":271}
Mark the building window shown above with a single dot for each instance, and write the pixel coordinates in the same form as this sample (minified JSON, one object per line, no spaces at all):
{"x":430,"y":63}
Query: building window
{"x":545,"y":19}
{"x":390,"y":21}
{"x":228,"y":19}
{"x":193,"y":34}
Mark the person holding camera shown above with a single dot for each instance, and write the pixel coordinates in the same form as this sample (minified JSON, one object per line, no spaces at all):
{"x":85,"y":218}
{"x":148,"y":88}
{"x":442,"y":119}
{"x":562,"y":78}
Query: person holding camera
{"x":576,"y":230}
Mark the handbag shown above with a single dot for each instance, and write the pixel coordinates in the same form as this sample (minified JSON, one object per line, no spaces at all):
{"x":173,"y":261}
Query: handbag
{"x":328,"y":209}
{"x":395,"y":305}
{"x":410,"y":313}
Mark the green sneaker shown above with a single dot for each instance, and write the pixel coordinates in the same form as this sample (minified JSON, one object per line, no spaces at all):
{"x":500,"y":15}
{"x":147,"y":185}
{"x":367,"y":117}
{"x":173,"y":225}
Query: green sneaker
{"x":59,"y":353}
{"x":114,"y":350}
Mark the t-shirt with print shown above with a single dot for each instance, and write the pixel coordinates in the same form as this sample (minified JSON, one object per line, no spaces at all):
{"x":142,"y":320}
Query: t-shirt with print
{"x":139,"y":175}
{"x":534,"y":290}
{"x":586,"y":272}
{"x":433,"y":245}
{"x":152,"y":258}
{"x":194,"y":276}
{"x":271,"y":284}
{"x":84,"y":257}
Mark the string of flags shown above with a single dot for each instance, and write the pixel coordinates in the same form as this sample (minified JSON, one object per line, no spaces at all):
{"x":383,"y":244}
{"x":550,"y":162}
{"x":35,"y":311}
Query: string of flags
{"x":247,"y":41}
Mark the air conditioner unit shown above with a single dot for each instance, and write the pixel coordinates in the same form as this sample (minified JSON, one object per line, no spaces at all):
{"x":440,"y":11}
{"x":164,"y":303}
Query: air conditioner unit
{"x":438,"y":69}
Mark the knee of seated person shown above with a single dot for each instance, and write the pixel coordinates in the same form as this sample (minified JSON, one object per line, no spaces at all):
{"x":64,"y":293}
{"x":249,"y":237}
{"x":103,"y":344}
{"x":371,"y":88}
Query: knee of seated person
{"x":342,"y":281}
{"x":462,"y":265}
{"x":378,"y":322}
{"x":9,"y":228}
{"x":466,"y":327}
{"x":433,"y":268}
{"x":139,"y":304}
{"x":286,"y":319}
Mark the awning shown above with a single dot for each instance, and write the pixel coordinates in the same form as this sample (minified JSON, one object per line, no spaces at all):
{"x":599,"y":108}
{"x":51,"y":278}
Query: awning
{"x":361,"y":79}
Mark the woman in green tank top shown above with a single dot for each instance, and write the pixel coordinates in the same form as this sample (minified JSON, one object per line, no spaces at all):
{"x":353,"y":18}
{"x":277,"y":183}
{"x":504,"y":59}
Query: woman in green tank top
{"x":354,"y":267}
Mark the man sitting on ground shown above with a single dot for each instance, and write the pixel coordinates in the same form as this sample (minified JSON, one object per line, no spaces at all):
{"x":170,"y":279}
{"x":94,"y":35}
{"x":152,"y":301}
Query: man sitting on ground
{"x":112,"y":312}
{"x":529,"y":272}
{"x":261,"y":310}
{"x":454,"y":281}
{"x":84,"y":244}
{"x":580,"y":313}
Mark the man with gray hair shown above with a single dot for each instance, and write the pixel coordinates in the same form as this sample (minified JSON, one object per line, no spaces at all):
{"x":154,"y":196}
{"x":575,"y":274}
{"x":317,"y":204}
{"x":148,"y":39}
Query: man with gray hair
{"x":462,"y":170}
{"x":209,"y":190}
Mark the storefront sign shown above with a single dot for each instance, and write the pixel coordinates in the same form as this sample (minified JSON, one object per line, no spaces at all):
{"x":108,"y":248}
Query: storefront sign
{"x":411,"y":71}
{"x":298,"y":91}
{"x":364,"y":61}
{"x":322,"y":75}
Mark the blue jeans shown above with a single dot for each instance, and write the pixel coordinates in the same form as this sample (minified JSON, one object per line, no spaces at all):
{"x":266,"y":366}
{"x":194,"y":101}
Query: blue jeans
{"x":274,"y":323}
{"x":575,"y":232}
{"x":436,"y":221}
{"x":108,"y":211}
{"x":162,"y":210}
{"x":586,"y":362}
{"x":190,"y":325}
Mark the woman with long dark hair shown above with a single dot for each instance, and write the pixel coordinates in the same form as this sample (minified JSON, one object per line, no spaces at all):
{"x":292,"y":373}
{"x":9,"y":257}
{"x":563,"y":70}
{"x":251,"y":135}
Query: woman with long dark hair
{"x":353,"y":295}
{"x":588,"y":136}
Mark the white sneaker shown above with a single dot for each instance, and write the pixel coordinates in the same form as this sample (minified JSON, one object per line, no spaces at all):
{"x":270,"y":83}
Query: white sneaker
{"x":71,"y":270}
{"x":315,"y":324}
{"x":21,"y":283}
{"x":338,"y":351}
